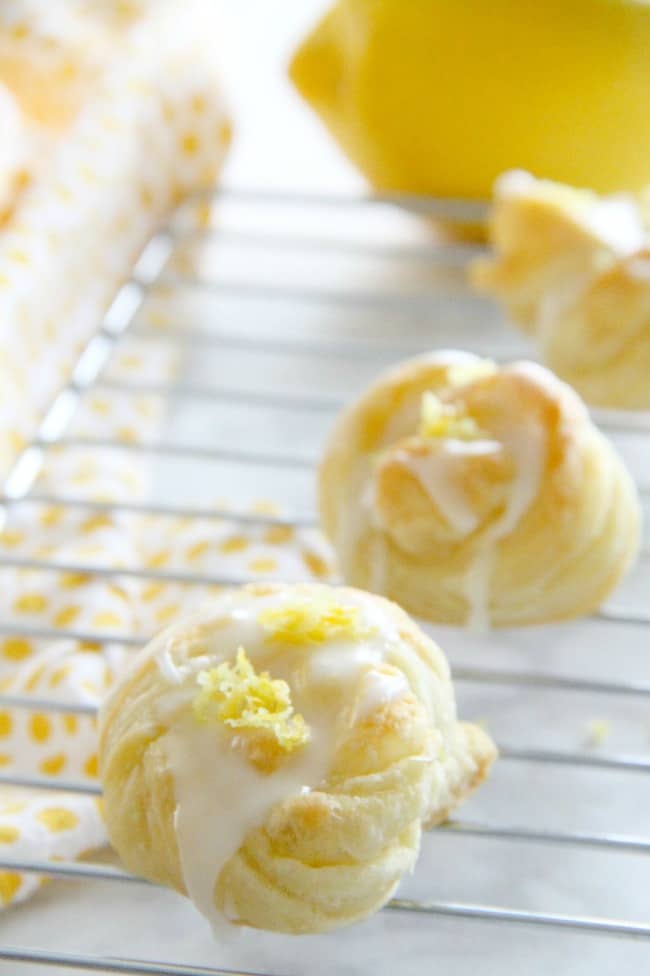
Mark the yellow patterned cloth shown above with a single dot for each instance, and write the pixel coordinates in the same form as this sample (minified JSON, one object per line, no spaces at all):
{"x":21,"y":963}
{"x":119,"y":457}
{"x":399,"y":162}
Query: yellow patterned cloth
{"x":114,"y":113}
{"x":34,"y":825}
{"x":109,"y":113}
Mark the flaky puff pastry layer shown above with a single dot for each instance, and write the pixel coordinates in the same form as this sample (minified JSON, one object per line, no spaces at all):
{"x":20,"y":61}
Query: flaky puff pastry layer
{"x":512,"y":510}
{"x":547,"y":238}
{"x":598,"y":338}
{"x":320,"y":837}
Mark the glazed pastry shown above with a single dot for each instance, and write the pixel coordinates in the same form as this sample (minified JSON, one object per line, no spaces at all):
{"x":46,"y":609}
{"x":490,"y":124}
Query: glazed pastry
{"x":478,"y":495}
{"x":573,"y":269}
{"x":548,"y":238}
{"x":276,"y":757}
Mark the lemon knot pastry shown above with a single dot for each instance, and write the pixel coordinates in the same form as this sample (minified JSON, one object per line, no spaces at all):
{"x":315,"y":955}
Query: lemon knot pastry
{"x":276,"y":757}
{"x":476,"y":494}
{"x":573,"y":269}
{"x":547,"y":238}
{"x":598,"y":338}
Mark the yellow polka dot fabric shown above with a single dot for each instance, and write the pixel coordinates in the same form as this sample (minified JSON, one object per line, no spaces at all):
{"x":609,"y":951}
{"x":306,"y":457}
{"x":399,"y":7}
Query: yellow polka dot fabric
{"x":110,"y":113}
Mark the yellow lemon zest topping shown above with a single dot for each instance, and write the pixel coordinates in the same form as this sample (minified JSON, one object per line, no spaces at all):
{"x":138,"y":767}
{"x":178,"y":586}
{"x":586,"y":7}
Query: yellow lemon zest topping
{"x":438,"y":419}
{"x":313,"y":621}
{"x":239,"y":697}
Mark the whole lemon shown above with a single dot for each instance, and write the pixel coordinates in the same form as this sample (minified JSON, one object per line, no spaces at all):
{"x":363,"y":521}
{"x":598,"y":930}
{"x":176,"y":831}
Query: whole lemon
{"x":440,"y":96}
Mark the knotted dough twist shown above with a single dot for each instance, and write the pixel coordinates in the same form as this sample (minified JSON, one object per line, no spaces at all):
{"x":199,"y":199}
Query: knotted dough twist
{"x":474,"y":494}
{"x":547,"y":239}
{"x":573,"y":268}
{"x":598,"y":339}
{"x":277,"y":756}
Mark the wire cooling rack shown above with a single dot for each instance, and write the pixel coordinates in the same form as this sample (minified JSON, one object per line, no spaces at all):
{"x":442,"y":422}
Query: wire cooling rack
{"x":289,"y":305}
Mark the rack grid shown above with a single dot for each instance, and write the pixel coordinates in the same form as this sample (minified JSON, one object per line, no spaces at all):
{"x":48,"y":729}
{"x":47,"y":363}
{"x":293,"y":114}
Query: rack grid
{"x":161,"y":267}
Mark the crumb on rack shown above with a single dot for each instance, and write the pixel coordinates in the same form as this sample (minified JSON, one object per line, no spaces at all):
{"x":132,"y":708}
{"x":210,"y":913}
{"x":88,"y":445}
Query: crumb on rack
{"x":243,"y":699}
{"x":598,"y":730}
{"x":438,"y":419}
{"x":313,"y":621}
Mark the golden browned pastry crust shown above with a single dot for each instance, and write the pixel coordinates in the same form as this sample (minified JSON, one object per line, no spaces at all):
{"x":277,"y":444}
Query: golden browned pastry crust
{"x":572,"y":268}
{"x":599,"y":338}
{"x":547,"y":238}
{"x":478,"y":495}
{"x":301,"y":818}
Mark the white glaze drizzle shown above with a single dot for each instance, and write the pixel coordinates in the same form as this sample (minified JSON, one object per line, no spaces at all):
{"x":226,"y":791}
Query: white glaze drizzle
{"x":377,"y":690}
{"x":220,"y":796}
{"x":526,"y":445}
{"x":523,"y":440}
{"x":437,"y":472}
{"x":169,"y":670}
{"x":361,"y":512}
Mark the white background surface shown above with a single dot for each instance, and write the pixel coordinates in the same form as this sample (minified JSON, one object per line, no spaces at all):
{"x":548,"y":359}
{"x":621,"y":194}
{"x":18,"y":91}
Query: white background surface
{"x":279,"y":142}
{"x":280,"y":145}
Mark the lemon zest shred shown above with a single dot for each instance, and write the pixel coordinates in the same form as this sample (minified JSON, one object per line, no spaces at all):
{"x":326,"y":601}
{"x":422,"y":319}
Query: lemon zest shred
{"x":313,"y":621}
{"x":438,"y":419}
{"x":242,"y":698}
{"x":598,"y":730}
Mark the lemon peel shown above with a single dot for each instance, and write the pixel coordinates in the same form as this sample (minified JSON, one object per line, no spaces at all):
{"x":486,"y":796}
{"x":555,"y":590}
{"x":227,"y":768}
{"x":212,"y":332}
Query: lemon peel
{"x":241,"y":698}
{"x":438,"y":419}
{"x":368,"y":71}
{"x":313,"y":621}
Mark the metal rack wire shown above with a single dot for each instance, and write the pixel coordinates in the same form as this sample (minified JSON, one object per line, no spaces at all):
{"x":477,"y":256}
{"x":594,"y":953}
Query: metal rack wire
{"x":153,"y":270}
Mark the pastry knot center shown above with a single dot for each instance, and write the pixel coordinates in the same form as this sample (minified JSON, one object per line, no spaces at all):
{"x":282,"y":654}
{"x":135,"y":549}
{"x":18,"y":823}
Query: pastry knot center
{"x":440,"y":419}
{"x":252,"y":703}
